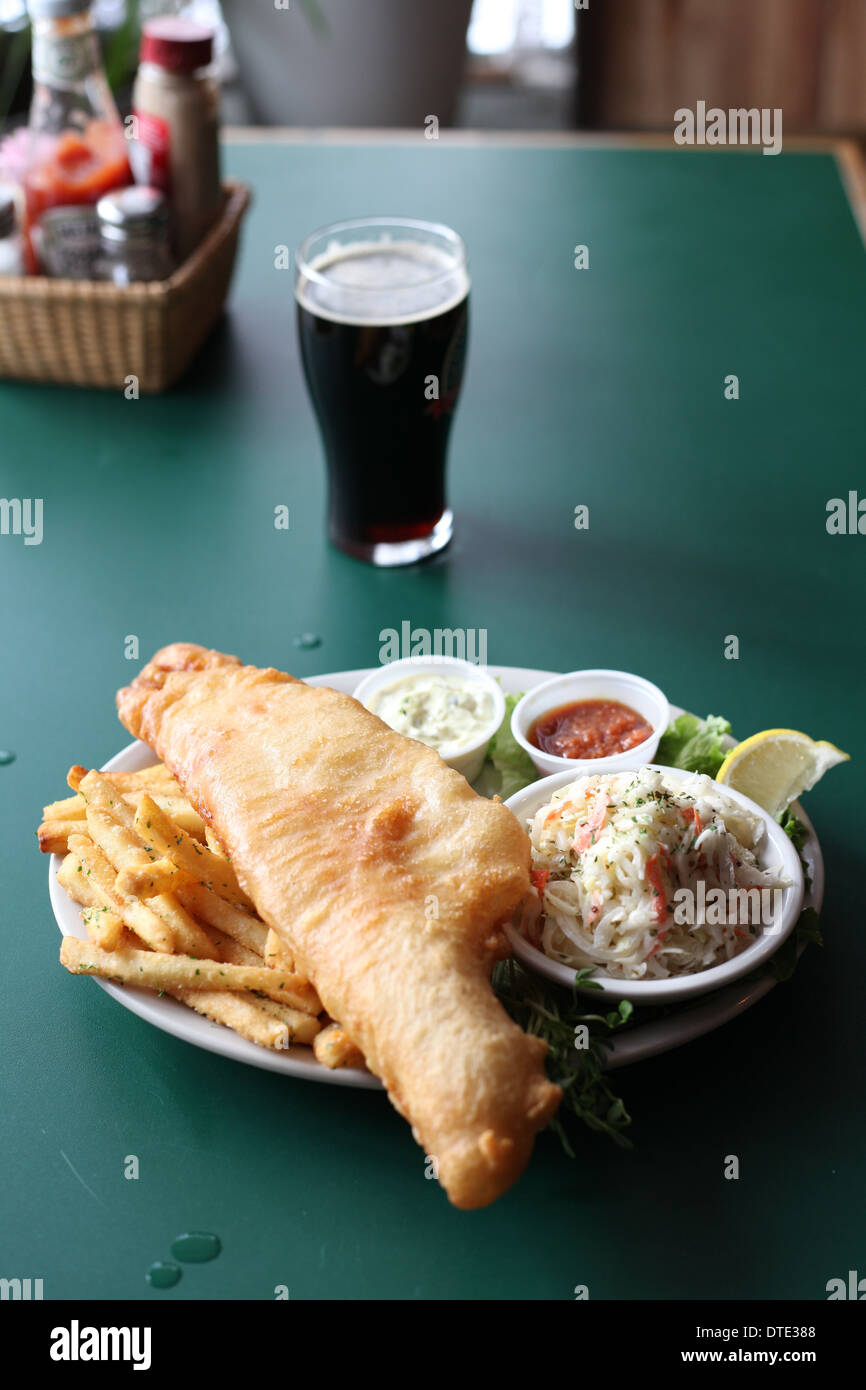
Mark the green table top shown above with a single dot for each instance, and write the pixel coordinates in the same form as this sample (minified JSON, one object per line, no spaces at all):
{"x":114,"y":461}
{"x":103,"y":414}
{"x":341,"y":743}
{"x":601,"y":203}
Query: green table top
{"x":707,"y":518}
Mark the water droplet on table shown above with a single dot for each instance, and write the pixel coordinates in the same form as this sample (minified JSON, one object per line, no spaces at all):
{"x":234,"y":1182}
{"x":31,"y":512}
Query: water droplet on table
{"x":163,"y":1275}
{"x":194,"y":1247}
{"x":6,"y":757}
{"x":307,"y":640}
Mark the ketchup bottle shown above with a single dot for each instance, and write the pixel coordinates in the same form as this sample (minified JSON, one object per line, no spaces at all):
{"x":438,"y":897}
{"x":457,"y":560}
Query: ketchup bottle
{"x":77,"y":150}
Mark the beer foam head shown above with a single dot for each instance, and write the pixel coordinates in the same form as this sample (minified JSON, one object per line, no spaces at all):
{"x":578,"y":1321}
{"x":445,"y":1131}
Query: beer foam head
{"x":382,"y":282}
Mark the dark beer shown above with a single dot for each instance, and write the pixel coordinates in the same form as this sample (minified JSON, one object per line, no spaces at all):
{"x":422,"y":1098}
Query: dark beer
{"x":383,"y":329}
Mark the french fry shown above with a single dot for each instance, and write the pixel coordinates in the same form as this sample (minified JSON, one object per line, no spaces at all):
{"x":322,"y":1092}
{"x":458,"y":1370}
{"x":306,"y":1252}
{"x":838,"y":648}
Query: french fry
{"x":105,"y":789}
{"x":303,"y":1027}
{"x":150,"y":879}
{"x":213,"y":843}
{"x":70,"y":808}
{"x":53,"y":835}
{"x":160,"y":970}
{"x":274,"y":1029}
{"x":226,"y":948}
{"x":200,"y":863}
{"x":157,"y":775}
{"x":188,"y":937}
{"x":134,"y":913}
{"x":75,"y":884}
{"x":248,"y":1019}
{"x":333,"y":1048}
{"x":143,"y":885}
{"x":111,"y":823}
{"x":140,"y":874}
{"x":277,"y":954}
{"x":102,"y":793}
{"x":215,"y":912}
{"x":163,"y":910}
{"x":177,"y":808}
{"x":104,"y":926}
{"x":121,"y":846}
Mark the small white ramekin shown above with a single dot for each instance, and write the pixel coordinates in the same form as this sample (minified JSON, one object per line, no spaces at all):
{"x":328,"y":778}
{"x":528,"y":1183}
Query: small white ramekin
{"x":467,"y":758}
{"x":631,"y":690}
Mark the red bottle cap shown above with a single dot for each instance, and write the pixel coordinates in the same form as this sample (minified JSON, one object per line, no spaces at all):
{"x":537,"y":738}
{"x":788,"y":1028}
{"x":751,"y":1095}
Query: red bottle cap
{"x":179,"y":45}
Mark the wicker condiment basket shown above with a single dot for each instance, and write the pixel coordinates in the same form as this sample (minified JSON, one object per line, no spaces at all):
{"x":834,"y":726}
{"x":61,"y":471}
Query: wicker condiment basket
{"x":87,"y":333}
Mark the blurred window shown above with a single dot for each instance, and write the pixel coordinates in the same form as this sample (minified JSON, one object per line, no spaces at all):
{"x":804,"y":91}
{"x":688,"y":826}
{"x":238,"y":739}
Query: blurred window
{"x":509,"y":27}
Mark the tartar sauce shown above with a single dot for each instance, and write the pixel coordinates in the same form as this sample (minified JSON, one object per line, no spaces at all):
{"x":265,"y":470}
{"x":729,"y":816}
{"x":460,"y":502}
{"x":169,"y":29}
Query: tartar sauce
{"x":437,"y":710}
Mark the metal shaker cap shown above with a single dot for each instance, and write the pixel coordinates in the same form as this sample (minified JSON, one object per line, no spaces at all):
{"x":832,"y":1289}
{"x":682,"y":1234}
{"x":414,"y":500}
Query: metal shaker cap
{"x":132,"y":213}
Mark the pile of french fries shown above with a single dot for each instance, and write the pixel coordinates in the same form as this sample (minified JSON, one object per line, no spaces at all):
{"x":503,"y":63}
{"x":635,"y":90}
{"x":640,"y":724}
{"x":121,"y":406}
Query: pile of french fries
{"x":164,"y":911}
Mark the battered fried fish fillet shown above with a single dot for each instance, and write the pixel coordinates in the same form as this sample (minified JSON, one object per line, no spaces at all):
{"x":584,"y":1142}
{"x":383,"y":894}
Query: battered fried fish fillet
{"x":388,"y":877}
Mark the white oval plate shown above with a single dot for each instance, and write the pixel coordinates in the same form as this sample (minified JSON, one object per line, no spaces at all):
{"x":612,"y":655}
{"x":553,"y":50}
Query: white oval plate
{"x":645,"y":1040}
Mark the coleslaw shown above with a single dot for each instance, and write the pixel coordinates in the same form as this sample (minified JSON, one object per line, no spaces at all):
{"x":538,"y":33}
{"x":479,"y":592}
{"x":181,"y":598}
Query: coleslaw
{"x":644,"y":877}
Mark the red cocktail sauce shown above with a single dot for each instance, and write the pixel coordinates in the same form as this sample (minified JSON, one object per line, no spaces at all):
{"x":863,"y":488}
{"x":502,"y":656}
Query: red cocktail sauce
{"x":589,"y":729}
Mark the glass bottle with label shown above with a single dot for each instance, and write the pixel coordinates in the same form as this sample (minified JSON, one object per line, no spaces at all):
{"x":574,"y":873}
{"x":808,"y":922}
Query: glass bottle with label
{"x":78,"y":150}
{"x":176,"y":109}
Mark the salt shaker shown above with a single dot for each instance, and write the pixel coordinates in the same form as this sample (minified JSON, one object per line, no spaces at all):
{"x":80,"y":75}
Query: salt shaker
{"x":134,"y":236}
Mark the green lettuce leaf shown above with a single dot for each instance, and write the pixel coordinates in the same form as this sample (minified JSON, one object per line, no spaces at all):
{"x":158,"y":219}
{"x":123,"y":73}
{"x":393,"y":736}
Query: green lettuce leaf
{"x":794,"y":829}
{"x":798,"y":835}
{"x":513,"y":764}
{"x":694,"y":744}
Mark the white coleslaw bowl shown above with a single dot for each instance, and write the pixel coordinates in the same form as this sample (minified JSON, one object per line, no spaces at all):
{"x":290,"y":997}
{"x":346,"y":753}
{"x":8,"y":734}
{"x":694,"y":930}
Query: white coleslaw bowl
{"x":466,"y":758}
{"x":775,"y":852}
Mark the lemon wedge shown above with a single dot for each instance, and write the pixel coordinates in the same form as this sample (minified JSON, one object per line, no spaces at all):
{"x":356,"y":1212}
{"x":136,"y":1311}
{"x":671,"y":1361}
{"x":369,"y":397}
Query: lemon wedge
{"x":776,"y":766}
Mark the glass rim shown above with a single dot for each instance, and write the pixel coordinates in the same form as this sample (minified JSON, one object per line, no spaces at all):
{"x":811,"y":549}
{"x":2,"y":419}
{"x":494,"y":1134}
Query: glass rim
{"x":305,"y":270}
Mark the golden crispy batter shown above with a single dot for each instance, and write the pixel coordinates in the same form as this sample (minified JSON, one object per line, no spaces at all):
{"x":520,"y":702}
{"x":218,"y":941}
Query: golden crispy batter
{"x":387,"y":877}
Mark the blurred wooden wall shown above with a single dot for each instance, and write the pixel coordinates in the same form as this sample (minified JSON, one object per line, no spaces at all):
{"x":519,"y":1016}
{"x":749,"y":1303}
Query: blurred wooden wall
{"x":641,"y":59}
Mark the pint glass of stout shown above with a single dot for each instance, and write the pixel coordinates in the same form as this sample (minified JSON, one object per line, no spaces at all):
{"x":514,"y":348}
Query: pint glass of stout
{"x":382,"y":316}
